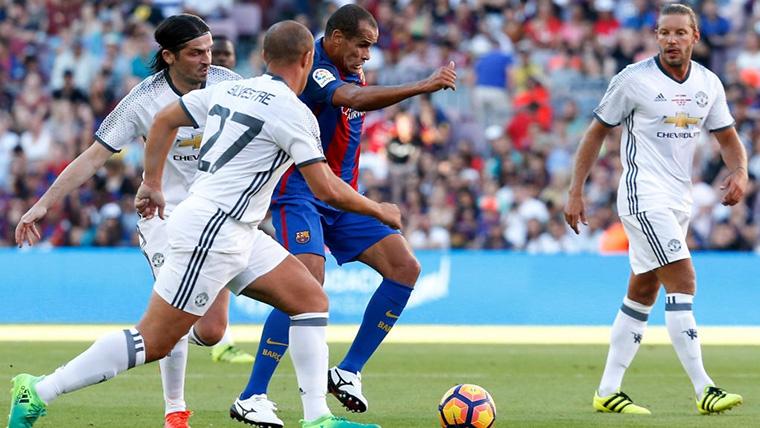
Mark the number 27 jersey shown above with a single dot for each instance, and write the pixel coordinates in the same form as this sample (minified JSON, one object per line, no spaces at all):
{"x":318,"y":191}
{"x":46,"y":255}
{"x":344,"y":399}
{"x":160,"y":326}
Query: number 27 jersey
{"x":254,"y":130}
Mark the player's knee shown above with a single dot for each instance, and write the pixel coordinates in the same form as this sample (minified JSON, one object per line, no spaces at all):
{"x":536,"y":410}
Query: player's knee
{"x":157,"y":349}
{"x":644,"y":295}
{"x":209,"y":333}
{"x":405,"y":270}
{"x":315,"y":301}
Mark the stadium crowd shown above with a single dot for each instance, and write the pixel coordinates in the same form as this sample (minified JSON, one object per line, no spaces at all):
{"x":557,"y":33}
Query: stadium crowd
{"x":485,"y":166}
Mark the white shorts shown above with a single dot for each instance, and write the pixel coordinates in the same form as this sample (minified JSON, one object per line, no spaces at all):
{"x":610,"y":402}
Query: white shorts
{"x":153,"y":242}
{"x":208,"y":250}
{"x":656,"y":238}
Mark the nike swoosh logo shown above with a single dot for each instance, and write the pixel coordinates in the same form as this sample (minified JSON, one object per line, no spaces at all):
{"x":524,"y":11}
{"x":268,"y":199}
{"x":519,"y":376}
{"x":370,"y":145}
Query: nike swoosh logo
{"x":272,"y":342}
{"x":390,"y":314}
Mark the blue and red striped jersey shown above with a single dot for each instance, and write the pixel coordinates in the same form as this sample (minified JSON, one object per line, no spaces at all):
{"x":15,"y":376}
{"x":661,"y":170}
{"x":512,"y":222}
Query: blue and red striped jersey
{"x":340,"y":127}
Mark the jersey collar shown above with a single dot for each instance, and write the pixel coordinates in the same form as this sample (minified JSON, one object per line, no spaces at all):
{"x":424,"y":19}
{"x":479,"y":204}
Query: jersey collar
{"x":659,"y":65}
{"x":320,"y":51}
{"x":171,"y":84}
{"x":275,"y":76}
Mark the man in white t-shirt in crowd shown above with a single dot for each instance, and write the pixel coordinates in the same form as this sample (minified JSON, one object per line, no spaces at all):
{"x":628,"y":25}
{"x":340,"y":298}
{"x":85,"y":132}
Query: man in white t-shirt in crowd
{"x":665,"y":103}
{"x":256,"y":129}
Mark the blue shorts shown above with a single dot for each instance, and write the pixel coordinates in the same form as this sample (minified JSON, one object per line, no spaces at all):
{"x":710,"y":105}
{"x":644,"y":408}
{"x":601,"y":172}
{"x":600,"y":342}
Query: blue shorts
{"x":305,"y":227}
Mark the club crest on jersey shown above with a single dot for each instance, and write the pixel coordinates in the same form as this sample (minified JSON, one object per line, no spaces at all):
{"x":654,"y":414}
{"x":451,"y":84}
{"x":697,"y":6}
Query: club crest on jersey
{"x":303,"y":236}
{"x":701,"y":99}
{"x":157,"y":260}
{"x":322,"y":77}
{"x":674,"y":245}
{"x":201,"y":300}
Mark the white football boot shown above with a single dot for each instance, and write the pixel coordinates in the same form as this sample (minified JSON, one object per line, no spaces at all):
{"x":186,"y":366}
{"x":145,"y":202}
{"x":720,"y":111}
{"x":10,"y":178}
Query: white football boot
{"x":257,"y":411}
{"x":347,"y":388}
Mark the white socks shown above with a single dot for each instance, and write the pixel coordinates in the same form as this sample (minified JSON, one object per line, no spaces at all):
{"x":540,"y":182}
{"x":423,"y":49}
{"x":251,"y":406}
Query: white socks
{"x":108,"y":356}
{"x":627,"y":332}
{"x":682,"y":329}
{"x":173,"y":377}
{"x":308,"y":350}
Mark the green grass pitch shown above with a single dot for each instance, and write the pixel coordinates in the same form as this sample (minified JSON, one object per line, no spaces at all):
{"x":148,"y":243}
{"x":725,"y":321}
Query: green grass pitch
{"x":533,"y":386}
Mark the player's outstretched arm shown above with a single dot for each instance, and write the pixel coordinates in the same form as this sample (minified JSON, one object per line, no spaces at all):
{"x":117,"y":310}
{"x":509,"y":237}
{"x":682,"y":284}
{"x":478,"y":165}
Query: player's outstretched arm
{"x":366,"y":98}
{"x":328,"y":188}
{"x":149,"y":198}
{"x":588,"y":152}
{"x":735,"y":157}
{"x":77,"y":172}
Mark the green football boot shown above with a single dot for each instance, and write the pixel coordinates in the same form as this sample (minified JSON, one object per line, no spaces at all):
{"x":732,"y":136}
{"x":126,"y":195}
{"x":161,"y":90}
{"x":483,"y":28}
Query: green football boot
{"x":26,"y":405}
{"x":716,"y":400}
{"x":330,"y":421}
{"x":230,"y":354}
{"x":618,"y":402}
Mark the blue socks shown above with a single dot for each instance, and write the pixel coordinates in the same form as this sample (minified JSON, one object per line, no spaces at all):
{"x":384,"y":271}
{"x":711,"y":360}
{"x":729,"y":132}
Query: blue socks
{"x":272,"y":347}
{"x":381,"y":314}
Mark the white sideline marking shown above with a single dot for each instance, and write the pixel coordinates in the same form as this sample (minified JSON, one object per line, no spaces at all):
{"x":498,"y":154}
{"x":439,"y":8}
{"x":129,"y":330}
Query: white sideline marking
{"x":529,"y":335}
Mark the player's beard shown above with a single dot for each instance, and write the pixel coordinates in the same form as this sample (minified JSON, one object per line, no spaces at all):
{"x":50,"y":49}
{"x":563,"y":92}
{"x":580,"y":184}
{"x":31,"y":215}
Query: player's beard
{"x":202,"y":75}
{"x":677,"y":61}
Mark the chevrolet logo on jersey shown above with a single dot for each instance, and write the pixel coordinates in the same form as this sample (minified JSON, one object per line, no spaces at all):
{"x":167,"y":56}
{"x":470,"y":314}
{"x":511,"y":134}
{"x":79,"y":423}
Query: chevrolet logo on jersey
{"x":194,"y":142}
{"x":681,"y":120}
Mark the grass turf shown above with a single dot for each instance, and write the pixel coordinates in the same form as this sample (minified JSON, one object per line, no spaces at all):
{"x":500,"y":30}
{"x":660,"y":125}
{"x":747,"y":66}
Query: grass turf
{"x":533,"y":386}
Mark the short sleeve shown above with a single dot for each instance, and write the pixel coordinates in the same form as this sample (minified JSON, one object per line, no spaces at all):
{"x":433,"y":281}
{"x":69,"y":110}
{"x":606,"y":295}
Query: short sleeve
{"x":616,"y":103}
{"x":298,"y":135}
{"x":121,"y":126}
{"x":719,"y":117}
{"x":196,"y":105}
{"x":321,"y":84}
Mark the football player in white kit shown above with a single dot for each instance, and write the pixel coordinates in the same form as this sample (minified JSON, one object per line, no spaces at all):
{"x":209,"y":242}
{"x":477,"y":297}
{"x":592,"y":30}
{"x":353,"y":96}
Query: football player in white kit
{"x":666,"y":103}
{"x":256,"y":128}
{"x":181,"y":65}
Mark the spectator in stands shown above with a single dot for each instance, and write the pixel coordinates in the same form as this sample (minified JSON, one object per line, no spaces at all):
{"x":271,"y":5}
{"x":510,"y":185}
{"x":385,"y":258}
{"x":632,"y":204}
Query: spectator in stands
{"x":69,"y":91}
{"x":490,"y":98}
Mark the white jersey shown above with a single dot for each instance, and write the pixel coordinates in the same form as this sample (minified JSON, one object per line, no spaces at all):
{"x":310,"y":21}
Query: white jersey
{"x":255,"y":129}
{"x":133,"y":116}
{"x":664,"y":120}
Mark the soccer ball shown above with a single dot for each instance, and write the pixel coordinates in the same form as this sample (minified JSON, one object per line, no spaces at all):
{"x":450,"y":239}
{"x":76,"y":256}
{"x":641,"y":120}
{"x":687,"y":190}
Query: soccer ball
{"x":467,"y":406}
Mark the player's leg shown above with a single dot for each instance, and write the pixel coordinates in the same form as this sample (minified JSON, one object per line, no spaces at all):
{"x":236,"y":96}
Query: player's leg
{"x":393,"y":259}
{"x":356,"y":237}
{"x":625,"y":338}
{"x":155,"y":245}
{"x":153,"y":337}
{"x":213,"y":330}
{"x":679,"y":279}
{"x":666,"y":233}
{"x":645,"y":257}
{"x":290,"y":287}
{"x":298,"y":229}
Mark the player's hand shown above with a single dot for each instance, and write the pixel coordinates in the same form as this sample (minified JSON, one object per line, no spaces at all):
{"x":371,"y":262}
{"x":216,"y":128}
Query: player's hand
{"x":148,"y":200}
{"x":574,"y":212}
{"x":734,"y":185}
{"x":26,"y":229}
{"x":390,"y":215}
{"x":443,"y":78}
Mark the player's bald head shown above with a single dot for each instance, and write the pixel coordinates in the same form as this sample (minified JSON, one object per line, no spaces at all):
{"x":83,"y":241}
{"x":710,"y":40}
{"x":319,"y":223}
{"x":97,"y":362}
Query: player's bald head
{"x":285,"y":42}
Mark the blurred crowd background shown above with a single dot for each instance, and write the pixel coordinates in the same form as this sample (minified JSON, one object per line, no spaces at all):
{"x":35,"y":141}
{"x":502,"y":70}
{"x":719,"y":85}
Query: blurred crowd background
{"x":485,"y":167}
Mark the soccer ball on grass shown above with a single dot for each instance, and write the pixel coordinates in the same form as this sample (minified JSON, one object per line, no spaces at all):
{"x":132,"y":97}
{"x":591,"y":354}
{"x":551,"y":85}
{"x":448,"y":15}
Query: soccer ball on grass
{"x":467,"y":406}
